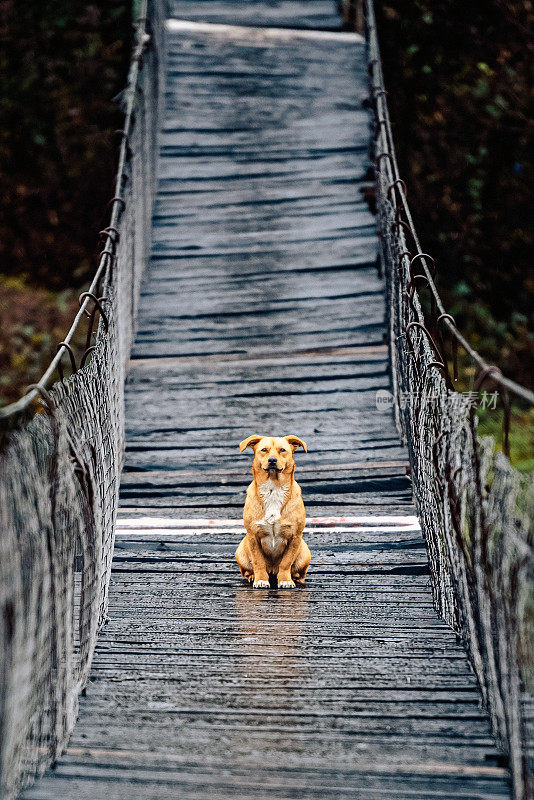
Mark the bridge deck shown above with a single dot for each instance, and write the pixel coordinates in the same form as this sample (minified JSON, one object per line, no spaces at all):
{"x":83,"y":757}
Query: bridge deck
{"x":262,"y":311}
{"x":310,"y":14}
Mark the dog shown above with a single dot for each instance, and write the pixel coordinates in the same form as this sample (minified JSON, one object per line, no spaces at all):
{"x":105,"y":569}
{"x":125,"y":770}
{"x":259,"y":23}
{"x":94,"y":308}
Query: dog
{"x":273,"y":515}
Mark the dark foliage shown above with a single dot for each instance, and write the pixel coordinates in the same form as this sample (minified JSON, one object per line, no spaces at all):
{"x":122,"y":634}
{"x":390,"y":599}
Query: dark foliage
{"x":459,"y":81}
{"x":61,"y":63}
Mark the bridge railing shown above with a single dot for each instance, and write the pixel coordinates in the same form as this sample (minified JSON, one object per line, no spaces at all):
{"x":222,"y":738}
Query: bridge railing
{"x":62,"y":445}
{"x":60,"y":462}
{"x":475,"y":509}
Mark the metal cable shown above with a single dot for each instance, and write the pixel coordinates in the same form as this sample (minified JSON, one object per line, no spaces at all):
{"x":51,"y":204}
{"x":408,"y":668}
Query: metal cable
{"x":475,"y":508}
{"x":117,"y":207}
{"x":385,"y":146}
{"x":60,"y":467}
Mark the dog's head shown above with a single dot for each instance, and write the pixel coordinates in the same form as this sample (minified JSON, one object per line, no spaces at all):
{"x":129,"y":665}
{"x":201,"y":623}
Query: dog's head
{"x":273,"y":455}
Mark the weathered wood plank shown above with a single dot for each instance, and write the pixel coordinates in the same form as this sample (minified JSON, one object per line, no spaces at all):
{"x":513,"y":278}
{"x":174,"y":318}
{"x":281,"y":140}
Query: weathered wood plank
{"x":199,"y":681}
{"x":313,"y":14}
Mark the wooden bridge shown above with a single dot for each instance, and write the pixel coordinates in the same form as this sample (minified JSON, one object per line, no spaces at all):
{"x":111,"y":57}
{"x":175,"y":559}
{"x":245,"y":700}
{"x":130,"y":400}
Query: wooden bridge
{"x":262,"y":310}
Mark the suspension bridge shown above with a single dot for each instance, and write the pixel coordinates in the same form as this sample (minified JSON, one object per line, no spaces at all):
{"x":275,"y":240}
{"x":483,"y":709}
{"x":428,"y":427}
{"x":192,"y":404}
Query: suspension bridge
{"x":262,"y":308}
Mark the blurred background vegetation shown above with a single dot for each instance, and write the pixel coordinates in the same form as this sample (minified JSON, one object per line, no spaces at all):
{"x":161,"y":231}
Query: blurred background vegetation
{"x":61,"y":63}
{"x":459,"y":83}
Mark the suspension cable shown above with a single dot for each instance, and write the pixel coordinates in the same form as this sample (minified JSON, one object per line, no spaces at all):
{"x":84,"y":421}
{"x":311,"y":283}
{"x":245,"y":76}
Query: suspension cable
{"x":385,"y":145}
{"x":107,"y":255}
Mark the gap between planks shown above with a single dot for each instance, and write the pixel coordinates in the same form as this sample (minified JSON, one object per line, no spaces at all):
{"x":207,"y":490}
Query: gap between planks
{"x":368,"y":468}
{"x":430,"y":768}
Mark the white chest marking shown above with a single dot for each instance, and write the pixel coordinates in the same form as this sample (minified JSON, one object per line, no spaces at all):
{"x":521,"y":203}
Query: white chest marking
{"x":273,"y":497}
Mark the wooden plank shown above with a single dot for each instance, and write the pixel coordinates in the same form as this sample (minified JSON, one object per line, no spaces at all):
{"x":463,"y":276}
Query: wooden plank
{"x":311,"y":14}
{"x":333,"y":687}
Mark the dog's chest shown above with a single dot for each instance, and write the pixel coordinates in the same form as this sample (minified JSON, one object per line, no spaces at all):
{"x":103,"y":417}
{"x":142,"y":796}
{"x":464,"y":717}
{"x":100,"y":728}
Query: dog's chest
{"x":273,"y":497}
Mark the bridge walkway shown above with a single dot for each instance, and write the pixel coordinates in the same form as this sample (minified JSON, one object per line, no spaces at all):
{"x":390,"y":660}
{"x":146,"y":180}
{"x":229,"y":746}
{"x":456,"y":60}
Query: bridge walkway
{"x":262,"y":311}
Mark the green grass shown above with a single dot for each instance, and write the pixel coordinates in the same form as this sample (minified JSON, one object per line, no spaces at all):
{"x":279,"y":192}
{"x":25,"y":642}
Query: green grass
{"x":490,"y":423}
{"x":491,"y":420}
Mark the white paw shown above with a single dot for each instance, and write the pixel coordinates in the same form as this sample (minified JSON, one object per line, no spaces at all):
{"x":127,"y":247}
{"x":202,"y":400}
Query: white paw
{"x":286,"y":585}
{"x":261,"y":584}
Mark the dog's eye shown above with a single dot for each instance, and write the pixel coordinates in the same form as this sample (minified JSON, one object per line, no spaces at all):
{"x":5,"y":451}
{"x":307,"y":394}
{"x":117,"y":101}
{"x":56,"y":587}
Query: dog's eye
{"x":264,"y":449}
{"x":283,"y":450}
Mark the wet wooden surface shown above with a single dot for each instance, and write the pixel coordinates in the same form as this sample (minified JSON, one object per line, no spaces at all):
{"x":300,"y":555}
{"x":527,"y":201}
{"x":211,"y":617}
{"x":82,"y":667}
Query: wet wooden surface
{"x":262,"y":311}
{"x":313,"y":14}
{"x":202,"y":687}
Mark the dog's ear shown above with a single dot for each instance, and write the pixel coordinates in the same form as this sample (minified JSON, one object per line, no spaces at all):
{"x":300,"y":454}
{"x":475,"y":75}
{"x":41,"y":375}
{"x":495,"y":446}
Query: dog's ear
{"x":250,"y":441}
{"x":295,"y":443}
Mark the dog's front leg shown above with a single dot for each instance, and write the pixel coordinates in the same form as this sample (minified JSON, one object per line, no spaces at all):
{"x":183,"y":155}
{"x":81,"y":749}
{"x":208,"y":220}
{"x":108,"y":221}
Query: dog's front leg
{"x":261,"y":577}
{"x":285,"y":581}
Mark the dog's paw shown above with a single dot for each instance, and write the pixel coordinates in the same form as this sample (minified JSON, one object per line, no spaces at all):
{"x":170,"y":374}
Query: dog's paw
{"x":261,"y":584}
{"x":286,"y":585}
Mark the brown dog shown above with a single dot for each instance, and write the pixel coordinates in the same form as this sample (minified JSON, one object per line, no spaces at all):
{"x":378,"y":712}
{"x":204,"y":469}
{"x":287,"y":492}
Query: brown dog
{"x":274,"y":515}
